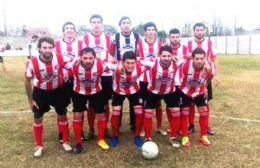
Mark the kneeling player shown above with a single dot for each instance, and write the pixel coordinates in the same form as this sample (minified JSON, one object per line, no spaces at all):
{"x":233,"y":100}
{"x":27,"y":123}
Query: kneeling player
{"x":194,"y":76}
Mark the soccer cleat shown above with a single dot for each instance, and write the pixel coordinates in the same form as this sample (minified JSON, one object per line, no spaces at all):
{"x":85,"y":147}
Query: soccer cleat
{"x":191,"y":129}
{"x":186,"y":141}
{"x":174,"y":142}
{"x":205,"y":140}
{"x":114,"y":141}
{"x":38,"y":151}
{"x":60,"y":138}
{"x":90,"y":135}
{"x":102,"y":144}
{"x":161,"y":131}
{"x":78,"y":149}
{"x":138,"y":142}
{"x":210,"y":131}
{"x":67,"y":147}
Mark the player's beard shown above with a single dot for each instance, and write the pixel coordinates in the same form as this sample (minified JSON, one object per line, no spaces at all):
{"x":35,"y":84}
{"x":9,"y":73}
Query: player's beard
{"x":46,"y":57}
{"x":199,"y":37}
{"x":165,"y":64}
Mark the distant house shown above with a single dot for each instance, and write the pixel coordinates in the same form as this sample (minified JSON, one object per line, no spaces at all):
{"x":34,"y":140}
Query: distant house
{"x":37,"y":31}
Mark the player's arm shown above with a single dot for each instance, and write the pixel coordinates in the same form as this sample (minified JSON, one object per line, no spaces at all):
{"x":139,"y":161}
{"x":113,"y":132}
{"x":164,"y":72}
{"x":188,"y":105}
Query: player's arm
{"x":28,"y":89}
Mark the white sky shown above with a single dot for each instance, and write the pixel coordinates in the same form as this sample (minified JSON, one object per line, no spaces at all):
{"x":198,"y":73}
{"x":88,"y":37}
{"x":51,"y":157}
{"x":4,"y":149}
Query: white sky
{"x":165,"y":13}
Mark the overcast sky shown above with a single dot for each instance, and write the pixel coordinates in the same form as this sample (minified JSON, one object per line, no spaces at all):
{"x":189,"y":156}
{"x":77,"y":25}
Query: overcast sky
{"x":165,"y":13}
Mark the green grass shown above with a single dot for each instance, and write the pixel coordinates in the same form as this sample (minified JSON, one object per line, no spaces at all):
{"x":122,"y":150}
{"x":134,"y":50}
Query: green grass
{"x":236,"y":143}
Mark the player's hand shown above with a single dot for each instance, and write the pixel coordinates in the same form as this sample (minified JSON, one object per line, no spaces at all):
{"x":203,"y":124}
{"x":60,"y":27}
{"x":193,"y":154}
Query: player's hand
{"x":121,"y":68}
{"x":216,"y":80}
{"x":33,"y":104}
{"x":174,"y":59}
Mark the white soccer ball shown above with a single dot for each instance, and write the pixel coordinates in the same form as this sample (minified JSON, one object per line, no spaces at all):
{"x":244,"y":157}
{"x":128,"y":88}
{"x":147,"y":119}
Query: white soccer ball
{"x":150,"y":150}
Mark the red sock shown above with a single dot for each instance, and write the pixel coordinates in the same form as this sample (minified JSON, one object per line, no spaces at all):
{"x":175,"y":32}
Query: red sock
{"x":204,"y":121}
{"x":184,"y":121}
{"x":168,"y":116}
{"x":159,"y":117}
{"x":38,"y":130}
{"x":148,"y":123}
{"x":58,"y":125}
{"x":77,"y":127}
{"x":91,"y":118}
{"x":64,"y":129}
{"x":138,"y":120}
{"x":107,"y":111}
{"x":175,"y":121}
{"x":115,"y":122}
{"x":101,"y":125}
{"x":192,"y":114}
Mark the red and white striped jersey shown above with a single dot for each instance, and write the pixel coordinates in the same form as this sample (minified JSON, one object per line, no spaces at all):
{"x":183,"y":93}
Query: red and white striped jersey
{"x":162,"y":81}
{"x":45,"y":76}
{"x":180,"y":52}
{"x":69,"y":51}
{"x":88,"y":82}
{"x":206,"y":45}
{"x":101,"y":44}
{"x":192,"y":82}
{"x":148,"y":51}
{"x":127,"y":84}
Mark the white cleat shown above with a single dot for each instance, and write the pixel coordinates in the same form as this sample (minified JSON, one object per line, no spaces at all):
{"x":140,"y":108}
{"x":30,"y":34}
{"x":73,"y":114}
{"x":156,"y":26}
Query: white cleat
{"x":142,"y":134}
{"x":161,"y":131}
{"x":38,"y":151}
{"x":66,"y":147}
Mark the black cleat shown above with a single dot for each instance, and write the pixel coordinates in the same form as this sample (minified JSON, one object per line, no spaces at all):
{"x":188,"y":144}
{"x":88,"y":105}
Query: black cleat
{"x":78,"y":149}
{"x":191,"y":129}
{"x":210,"y":131}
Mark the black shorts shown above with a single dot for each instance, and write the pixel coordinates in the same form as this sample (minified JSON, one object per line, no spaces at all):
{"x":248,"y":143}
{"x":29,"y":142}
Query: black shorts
{"x":210,"y":94}
{"x":68,"y":88}
{"x":80,"y":101}
{"x":198,"y":101}
{"x":171,"y":100}
{"x":44,"y":99}
{"x":1,"y":59}
{"x":134,"y":99}
{"x":107,"y":88}
{"x":143,"y":90}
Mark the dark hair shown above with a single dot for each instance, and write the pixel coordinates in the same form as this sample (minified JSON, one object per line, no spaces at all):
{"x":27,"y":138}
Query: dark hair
{"x":165,"y":48}
{"x":124,"y":18}
{"x":197,"y":51}
{"x":86,"y":50}
{"x":35,"y":36}
{"x":150,"y":24}
{"x":129,"y":55}
{"x":199,"y":25}
{"x":47,"y":39}
{"x":68,"y":23}
{"x":174,"y":31}
{"x":96,"y":16}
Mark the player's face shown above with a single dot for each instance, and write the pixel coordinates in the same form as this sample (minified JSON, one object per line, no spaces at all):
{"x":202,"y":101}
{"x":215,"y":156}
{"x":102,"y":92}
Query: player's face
{"x":199,"y":32}
{"x":46,"y":49}
{"x":129,"y":65}
{"x":165,"y":59}
{"x":87,"y":59}
{"x":198,"y":61}
{"x":125,"y":26}
{"x":150,"y":32}
{"x":96,"y":24}
{"x":175,"y":39}
{"x":69,"y":31}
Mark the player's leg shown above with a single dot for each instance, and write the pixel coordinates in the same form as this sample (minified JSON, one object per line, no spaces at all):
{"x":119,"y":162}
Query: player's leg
{"x":159,"y":114}
{"x":117,"y":102}
{"x":91,"y":115}
{"x":191,"y":128}
{"x":210,"y":97}
{"x":2,"y":64}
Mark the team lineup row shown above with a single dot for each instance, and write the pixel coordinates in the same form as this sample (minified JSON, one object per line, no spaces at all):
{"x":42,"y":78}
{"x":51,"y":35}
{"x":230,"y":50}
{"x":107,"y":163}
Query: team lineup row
{"x":94,"y":67}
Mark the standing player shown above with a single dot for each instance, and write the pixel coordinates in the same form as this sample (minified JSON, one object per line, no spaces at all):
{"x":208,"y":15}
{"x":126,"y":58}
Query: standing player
{"x":148,"y":48}
{"x":126,"y":85}
{"x":124,"y":41}
{"x":69,"y":47}
{"x":179,"y":52}
{"x":46,"y":72}
{"x":32,"y":47}
{"x":100,"y":42}
{"x":2,"y":49}
{"x":87,"y":87}
{"x":162,"y":86}
{"x":207,"y":45}
{"x":194,"y":77}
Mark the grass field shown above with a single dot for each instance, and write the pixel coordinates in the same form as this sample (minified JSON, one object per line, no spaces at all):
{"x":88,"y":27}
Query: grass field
{"x":236,"y":143}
